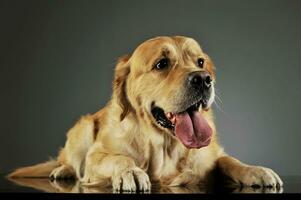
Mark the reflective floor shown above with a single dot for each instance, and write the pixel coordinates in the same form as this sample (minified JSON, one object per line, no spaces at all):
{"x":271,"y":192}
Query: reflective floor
{"x":292,"y":184}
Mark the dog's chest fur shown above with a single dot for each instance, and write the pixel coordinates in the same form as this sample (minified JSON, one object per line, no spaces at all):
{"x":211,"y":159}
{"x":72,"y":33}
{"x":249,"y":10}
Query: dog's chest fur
{"x":161,"y":155}
{"x":164,"y":157}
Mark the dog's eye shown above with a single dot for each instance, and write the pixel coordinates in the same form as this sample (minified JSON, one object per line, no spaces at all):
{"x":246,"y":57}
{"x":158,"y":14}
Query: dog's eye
{"x":201,"y":62}
{"x":163,"y":63}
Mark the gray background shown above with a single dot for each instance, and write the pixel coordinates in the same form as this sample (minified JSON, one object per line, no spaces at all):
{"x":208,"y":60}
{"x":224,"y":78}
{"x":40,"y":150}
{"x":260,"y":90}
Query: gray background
{"x":57,"y":61}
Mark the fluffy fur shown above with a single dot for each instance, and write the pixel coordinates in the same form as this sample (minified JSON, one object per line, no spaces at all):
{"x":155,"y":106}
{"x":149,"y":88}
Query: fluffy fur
{"x":123,"y":146}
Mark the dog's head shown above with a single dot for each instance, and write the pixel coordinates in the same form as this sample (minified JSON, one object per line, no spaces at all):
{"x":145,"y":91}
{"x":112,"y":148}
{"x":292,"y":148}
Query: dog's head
{"x":168,"y":82}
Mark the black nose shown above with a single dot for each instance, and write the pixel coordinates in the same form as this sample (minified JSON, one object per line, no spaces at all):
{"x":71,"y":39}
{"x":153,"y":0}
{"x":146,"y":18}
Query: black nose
{"x":200,"y":79}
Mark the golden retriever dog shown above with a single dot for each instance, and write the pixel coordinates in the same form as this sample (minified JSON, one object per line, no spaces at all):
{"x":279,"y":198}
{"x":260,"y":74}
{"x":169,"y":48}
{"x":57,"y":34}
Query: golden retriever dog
{"x":157,"y":127}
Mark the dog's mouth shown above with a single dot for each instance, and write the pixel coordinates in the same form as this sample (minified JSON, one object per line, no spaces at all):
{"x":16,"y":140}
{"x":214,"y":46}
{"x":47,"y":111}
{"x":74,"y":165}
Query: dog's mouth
{"x":189,"y":126}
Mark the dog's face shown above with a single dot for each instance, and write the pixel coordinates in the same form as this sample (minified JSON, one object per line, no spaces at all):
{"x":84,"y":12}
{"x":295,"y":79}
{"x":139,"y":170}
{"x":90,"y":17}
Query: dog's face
{"x":169,"y":81}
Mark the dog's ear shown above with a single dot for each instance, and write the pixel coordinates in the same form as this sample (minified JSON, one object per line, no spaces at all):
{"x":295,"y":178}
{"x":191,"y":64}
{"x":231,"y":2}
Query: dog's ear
{"x":122,"y":70}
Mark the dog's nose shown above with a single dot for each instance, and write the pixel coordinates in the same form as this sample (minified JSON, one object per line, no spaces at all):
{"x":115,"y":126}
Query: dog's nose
{"x":200,"y":79}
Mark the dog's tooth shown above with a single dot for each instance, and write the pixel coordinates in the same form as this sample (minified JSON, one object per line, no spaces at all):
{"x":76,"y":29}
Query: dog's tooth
{"x":173,"y":120}
{"x":168,"y":115}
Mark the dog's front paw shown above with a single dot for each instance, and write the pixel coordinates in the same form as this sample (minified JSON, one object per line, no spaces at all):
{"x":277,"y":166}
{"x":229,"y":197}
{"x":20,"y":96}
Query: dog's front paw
{"x":257,"y":176}
{"x":131,"y":180}
{"x":185,"y":178}
{"x":62,"y":172}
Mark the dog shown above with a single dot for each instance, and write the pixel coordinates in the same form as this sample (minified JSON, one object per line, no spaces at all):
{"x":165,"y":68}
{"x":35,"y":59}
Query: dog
{"x":157,"y":127}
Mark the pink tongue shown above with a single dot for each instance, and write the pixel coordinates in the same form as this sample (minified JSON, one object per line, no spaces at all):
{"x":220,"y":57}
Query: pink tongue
{"x":193,"y":131}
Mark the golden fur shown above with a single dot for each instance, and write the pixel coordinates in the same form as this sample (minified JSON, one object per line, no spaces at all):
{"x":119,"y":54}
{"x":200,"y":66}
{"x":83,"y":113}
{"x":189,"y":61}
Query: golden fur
{"x":123,"y":146}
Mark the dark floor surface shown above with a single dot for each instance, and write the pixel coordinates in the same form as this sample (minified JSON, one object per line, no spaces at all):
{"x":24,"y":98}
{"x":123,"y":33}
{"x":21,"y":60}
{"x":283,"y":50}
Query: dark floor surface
{"x":292,"y":184}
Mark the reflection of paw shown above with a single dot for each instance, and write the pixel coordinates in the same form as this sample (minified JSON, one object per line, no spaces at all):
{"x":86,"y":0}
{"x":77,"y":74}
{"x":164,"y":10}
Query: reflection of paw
{"x":62,"y":172}
{"x":131,"y":180}
{"x":61,"y":185}
{"x":98,"y":189}
{"x":258,"y":190}
{"x":181,"y":189}
{"x":260,"y":177}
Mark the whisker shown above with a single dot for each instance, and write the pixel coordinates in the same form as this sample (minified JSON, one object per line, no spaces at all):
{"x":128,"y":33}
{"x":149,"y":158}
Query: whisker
{"x":217,"y":94}
{"x":218,"y":107}
{"x":218,"y":101}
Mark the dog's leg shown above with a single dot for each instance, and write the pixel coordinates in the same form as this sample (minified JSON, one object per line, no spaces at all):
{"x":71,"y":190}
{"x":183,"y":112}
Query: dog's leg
{"x":247,"y":175}
{"x":71,"y":158}
{"x":119,"y":169}
{"x":186,"y":178}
